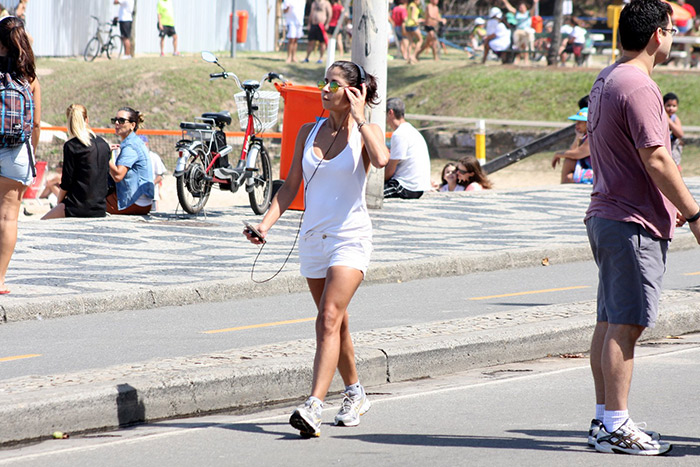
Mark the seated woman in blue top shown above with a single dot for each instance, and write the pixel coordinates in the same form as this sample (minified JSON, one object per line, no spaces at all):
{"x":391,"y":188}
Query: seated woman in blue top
{"x":131,"y":170}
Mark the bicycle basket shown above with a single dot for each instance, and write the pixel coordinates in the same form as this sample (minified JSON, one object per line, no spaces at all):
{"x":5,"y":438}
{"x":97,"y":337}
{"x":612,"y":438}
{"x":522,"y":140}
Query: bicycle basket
{"x":268,"y":103}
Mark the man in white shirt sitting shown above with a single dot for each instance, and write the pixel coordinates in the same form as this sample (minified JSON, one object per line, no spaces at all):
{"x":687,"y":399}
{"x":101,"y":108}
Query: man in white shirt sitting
{"x":407,"y":175}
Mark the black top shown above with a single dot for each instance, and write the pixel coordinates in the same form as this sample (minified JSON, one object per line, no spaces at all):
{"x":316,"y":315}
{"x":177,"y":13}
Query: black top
{"x":85,"y":174}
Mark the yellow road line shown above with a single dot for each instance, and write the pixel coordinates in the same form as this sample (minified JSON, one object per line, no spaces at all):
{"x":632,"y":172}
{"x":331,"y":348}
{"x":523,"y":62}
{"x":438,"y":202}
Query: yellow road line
{"x":19,"y":357}
{"x":263,"y":325}
{"x":692,"y":273}
{"x":531,"y":292}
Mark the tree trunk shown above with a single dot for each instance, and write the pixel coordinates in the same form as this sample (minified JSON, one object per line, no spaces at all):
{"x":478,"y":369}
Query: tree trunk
{"x":133,"y":31}
{"x":553,"y":55}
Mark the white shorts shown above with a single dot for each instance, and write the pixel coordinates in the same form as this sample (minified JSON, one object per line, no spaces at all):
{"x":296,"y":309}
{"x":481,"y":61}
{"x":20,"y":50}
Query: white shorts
{"x":295,"y":31}
{"x":318,"y":252}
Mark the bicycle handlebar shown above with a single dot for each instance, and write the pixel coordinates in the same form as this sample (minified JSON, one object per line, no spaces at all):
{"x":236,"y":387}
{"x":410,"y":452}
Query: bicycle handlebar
{"x":267,"y":77}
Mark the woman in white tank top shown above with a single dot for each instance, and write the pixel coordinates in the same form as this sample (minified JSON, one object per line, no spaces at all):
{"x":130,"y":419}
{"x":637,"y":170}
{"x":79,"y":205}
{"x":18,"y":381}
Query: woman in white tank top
{"x":332,"y":157}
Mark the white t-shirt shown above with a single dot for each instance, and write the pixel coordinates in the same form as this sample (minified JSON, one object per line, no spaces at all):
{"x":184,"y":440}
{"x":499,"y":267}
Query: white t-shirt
{"x":445,"y":187}
{"x":295,"y":14}
{"x":578,"y":34}
{"x":502,"y":40}
{"x":409,"y":148}
{"x":126,"y":8}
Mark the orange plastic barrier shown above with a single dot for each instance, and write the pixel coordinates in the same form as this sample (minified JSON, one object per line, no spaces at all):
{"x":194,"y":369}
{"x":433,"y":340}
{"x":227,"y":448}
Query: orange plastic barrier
{"x":302,"y":104}
{"x":242,"y":31}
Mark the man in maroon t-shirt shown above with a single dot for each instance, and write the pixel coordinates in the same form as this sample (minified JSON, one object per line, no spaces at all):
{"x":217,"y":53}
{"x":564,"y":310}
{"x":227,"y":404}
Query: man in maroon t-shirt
{"x":638,"y":197}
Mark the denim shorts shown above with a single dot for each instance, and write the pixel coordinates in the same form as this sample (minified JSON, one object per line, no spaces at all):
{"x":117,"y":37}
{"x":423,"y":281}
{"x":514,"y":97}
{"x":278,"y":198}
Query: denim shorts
{"x":319,"y":251}
{"x":631,"y":264}
{"x":14,"y":164}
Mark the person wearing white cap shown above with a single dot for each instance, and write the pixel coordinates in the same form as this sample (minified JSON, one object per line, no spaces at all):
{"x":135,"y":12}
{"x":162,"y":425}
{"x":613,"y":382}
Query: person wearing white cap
{"x":497,"y":34}
{"x":475,"y":40}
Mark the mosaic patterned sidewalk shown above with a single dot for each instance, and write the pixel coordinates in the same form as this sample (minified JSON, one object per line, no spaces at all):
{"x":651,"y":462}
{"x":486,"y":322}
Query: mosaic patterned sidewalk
{"x":72,"y":257}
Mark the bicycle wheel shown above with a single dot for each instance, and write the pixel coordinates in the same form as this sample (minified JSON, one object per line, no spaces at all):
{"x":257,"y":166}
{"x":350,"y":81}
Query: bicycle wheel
{"x":92,"y":50}
{"x":192,"y":187}
{"x":260,"y":193}
{"x":115,"y":47}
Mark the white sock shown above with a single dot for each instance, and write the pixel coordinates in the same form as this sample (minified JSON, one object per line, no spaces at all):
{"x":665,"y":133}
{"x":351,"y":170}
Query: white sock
{"x":312,"y":399}
{"x":599,"y":411}
{"x":354,"y":389}
{"x":613,"y":419}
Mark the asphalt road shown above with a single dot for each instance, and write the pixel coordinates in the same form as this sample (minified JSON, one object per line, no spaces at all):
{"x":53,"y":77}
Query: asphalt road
{"x":532,"y":413}
{"x":96,"y":341}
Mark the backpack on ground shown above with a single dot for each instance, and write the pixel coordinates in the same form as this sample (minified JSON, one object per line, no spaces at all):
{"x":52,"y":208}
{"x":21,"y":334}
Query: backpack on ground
{"x":16,"y":114}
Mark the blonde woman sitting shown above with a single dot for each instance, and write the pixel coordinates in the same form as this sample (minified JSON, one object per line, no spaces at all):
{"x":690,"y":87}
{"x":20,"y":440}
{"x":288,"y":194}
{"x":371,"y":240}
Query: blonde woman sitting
{"x":83,"y":186}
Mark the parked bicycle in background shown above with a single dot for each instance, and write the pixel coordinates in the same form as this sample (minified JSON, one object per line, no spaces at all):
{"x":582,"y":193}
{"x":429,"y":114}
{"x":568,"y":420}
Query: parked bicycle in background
{"x":104,"y":40}
{"x":203,"y":150}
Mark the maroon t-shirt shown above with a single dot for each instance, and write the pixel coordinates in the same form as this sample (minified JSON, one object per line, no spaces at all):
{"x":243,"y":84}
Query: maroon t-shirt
{"x":626,"y":113}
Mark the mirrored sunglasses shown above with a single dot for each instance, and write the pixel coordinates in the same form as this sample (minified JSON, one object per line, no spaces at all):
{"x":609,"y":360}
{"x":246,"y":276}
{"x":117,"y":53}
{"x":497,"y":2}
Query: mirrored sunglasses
{"x":333,"y":86}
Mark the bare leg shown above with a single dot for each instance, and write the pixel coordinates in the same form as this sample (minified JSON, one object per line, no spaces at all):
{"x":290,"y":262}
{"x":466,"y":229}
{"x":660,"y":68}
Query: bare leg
{"x":310,"y":48}
{"x":617,"y":361}
{"x":596,"y":364}
{"x":339,"y":40}
{"x":334,"y":348}
{"x":10,"y":200}
{"x":127,"y":46}
{"x":56,"y":213}
{"x":567,"y":170}
{"x":175,"y":52}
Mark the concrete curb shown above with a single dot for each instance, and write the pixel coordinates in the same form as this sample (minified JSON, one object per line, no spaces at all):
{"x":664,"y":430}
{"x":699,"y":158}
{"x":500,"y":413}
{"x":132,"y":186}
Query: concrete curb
{"x":34,"y":407}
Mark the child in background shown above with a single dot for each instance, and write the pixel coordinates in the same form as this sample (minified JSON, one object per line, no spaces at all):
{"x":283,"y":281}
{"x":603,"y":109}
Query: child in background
{"x":576,"y":161}
{"x":675,"y":127}
{"x":449,"y":179}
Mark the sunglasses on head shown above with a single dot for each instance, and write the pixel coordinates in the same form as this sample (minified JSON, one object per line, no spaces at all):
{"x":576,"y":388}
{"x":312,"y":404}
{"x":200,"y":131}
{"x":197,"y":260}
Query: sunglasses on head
{"x":120,"y":120}
{"x":333,"y":86}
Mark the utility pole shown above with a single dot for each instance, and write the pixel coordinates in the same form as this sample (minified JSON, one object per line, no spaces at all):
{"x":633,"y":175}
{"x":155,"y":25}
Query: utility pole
{"x":553,"y":55}
{"x":234,"y":28}
{"x":370,"y":48}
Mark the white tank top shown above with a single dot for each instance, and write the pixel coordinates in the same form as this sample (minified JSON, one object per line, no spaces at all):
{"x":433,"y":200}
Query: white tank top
{"x":335,"y":194}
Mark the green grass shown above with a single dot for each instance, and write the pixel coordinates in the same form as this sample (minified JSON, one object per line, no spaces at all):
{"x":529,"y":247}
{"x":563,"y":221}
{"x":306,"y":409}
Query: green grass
{"x":170,"y":89}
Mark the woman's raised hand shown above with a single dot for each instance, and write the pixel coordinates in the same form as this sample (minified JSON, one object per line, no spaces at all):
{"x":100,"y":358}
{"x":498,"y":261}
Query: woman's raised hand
{"x":357,"y":101}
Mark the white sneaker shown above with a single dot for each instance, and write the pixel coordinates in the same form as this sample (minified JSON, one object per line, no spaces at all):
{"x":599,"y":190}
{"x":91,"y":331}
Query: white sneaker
{"x":351,"y":409}
{"x":597,"y":426}
{"x":307,"y":419}
{"x":630,"y":439}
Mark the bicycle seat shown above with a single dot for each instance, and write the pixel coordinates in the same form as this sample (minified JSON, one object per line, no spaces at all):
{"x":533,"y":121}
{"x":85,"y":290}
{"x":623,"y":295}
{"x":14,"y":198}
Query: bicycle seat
{"x":221,"y":118}
{"x":250,"y":85}
{"x":195,"y":126}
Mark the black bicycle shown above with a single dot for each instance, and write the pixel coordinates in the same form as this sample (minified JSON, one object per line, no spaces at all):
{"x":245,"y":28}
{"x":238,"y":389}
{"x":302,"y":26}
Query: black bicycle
{"x":112,"y":45}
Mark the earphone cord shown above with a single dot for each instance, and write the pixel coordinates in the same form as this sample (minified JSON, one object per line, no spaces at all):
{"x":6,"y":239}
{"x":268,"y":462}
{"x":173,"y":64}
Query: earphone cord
{"x":301,"y":218}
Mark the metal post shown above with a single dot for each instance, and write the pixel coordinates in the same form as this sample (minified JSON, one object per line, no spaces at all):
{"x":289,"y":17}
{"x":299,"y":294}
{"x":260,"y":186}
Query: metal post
{"x":234,"y":28}
{"x":370,"y":22}
{"x":480,"y":140}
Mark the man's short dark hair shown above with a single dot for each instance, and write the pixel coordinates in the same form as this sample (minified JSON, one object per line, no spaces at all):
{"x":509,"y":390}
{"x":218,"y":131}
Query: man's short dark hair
{"x":639,"y":20}
{"x":397,"y":106}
